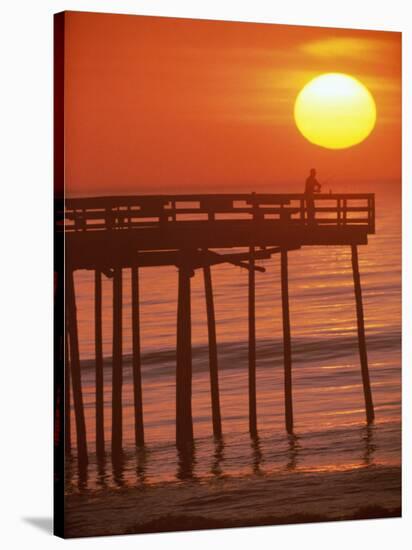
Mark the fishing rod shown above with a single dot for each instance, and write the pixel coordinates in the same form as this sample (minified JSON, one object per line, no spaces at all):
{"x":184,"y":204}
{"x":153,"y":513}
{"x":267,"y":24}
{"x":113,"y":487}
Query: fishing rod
{"x":327,"y":180}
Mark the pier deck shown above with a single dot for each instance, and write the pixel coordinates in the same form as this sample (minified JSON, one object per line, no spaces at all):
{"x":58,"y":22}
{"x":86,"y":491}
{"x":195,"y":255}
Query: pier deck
{"x":109,"y":231}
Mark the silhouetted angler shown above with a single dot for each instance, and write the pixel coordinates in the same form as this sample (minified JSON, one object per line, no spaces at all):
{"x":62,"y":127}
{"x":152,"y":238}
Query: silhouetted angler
{"x":312,"y":186}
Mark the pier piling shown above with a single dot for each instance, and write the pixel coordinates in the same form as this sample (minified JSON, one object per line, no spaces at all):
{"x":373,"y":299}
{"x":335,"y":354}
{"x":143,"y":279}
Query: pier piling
{"x":370,"y":414}
{"x":287,"y":347}
{"x":252,"y":344}
{"x":98,"y":343}
{"x":75,"y":370}
{"x":117,"y":367}
{"x":137,"y":375}
{"x":184,"y":422}
{"x":213,"y":363}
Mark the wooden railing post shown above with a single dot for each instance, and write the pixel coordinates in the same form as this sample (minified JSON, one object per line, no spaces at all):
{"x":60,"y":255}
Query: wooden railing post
{"x":302,"y":210}
{"x":370,"y":414}
{"x":369,"y":212}
{"x":371,"y":220}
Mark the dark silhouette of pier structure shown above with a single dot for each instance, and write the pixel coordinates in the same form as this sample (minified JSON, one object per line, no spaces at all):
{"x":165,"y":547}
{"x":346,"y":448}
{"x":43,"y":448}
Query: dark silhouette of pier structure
{"x":194,"y":232}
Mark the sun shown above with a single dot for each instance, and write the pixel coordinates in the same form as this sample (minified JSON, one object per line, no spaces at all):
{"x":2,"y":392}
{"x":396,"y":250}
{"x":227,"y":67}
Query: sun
{"x":335,"y":110}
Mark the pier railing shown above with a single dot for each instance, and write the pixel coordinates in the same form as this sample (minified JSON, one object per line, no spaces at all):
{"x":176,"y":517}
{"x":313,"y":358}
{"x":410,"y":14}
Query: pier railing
{"x":134,"y":212}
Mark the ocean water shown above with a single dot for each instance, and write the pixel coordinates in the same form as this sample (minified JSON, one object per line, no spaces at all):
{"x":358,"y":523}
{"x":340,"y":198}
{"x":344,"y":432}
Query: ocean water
{"x":330,"y":430}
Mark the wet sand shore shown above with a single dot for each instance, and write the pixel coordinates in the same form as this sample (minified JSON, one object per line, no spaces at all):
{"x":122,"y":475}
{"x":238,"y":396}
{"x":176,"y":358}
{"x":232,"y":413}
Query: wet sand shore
{"x":285,"y":497}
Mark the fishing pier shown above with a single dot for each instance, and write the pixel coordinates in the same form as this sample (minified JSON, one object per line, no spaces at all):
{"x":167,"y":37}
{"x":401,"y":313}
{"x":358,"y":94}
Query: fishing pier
{"x":194,"y":232}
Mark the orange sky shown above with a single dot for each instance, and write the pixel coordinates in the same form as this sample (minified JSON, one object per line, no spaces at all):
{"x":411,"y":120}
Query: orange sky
{"x":159,"y":104}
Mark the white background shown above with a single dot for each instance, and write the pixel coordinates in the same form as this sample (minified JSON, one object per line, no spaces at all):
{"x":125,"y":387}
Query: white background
{"x":26,"y":271}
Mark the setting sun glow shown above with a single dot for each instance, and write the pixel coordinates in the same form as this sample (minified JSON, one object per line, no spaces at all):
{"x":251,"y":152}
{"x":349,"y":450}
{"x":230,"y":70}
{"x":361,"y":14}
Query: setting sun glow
{"x":335,"y":110}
